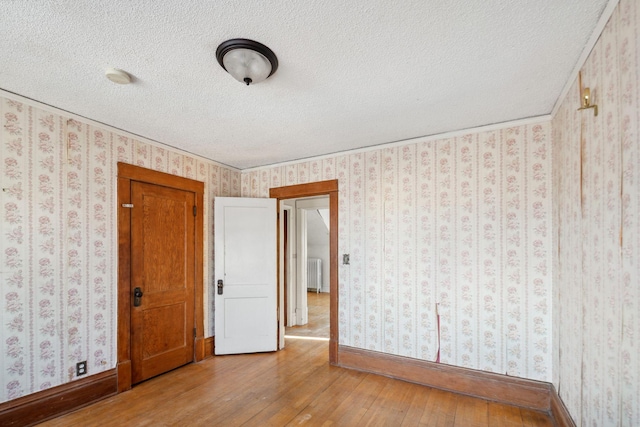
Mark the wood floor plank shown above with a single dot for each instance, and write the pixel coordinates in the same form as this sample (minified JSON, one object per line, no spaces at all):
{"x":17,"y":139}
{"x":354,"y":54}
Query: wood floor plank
{"x":351,"y":410}
{"x":501,"y":415}
{"x":318,"y":317}
{"x":417,"y":407}
{"x":292,"y":401}
{"x":319,"y":409}
{"x":471,"y":412}
{"x":227,"y":398}
{"x":391,"y":405}
{"x":440,"y":410}
{"x":272,"y":385}
{"x":535,"y":419}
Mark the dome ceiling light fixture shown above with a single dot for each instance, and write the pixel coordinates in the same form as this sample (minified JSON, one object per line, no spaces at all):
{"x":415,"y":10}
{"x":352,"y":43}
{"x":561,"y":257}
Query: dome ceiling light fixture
{"x":246,"y":60}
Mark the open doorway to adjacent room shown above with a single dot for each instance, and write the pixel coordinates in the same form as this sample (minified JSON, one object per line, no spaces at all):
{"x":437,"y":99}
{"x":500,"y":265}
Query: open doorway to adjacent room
{"x":292,"y":292}
{"x":307,"y":268}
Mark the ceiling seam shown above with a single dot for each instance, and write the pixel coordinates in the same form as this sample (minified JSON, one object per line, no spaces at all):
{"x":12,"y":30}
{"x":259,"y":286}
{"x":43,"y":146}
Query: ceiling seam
{"x":413,"y":140}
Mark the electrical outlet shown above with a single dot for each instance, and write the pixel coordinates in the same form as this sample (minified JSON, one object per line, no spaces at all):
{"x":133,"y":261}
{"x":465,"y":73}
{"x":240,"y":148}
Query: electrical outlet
{"x":81,"y":368}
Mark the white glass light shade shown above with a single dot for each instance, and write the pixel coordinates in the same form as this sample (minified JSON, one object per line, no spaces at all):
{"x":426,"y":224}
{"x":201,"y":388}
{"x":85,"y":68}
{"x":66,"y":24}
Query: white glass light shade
{"x":247,"y":60}
{"x":247,"y":63}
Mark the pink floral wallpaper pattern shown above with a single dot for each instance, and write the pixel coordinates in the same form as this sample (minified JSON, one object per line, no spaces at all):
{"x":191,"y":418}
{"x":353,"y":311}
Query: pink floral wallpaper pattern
{"x":461,"y":222}
{"x":58,"y":241}
{"x":596,"y":221}
{"x":526,"y":238}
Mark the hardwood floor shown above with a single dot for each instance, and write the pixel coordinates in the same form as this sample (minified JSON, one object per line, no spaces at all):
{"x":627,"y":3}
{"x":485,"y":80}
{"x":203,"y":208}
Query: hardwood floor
{"x":318,"y":322}
{"x":291,"y":387}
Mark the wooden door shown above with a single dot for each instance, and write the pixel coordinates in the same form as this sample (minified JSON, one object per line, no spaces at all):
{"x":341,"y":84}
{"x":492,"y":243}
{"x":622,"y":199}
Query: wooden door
{"x":245,"y":260}
{"x":162,"y":267}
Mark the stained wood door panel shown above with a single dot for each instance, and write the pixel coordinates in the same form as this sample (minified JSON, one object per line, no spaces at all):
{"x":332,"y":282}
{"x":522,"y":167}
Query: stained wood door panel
{"x":162,"y":251}
{"x":166,"y":335}
{"x":161,"y":230}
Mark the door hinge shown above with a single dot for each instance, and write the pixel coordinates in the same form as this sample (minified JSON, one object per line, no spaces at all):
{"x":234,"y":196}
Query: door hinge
{"x":127,"y":205}
{"x":195,"y":211}
{"x":194,"y":332}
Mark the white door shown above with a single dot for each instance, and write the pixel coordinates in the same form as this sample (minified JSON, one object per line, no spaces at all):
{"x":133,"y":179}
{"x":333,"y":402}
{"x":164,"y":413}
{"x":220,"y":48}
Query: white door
{"x":245,"y":275}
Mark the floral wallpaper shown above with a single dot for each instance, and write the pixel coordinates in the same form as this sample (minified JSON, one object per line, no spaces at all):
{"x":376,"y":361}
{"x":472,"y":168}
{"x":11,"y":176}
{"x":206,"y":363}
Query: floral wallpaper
{"x":463,"y":223}
{"x":597,"y":228}
{"x":524,"y":240}
{"x":58,"y":240}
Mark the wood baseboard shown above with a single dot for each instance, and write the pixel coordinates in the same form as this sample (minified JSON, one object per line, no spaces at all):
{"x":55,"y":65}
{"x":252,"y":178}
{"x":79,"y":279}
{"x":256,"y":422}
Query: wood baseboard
{"x":123,"y":372}
{"x":209,"y":346}
{"x":38,"y":407}
{"x":559,"y":411}
{"x":486,"y":385}
{"x":199,"y":349}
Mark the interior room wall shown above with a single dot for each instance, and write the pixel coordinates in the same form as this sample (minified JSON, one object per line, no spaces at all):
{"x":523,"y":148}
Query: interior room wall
{"x":319,"y":251}
{"x":535,"y":269}
{"x":462,"y":222}
{"x":318,"y":245}
{"x":597,"y":232}
{"x":59,"y":245}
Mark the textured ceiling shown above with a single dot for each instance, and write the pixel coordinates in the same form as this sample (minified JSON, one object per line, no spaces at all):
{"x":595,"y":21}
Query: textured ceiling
{"x":352,"y":73}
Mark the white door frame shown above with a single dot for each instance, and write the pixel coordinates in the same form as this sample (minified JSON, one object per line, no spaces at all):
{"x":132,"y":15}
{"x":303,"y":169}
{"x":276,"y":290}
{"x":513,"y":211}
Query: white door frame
{"x":292,"y":289}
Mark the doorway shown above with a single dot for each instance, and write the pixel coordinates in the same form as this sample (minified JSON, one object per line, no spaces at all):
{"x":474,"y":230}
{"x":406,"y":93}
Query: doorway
{"x":307,"y":269}
{"x":160,"y":273}
{"x":322,"y":188}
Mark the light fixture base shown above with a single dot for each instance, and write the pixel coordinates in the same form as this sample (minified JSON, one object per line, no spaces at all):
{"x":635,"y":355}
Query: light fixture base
{"x":118,"y":76}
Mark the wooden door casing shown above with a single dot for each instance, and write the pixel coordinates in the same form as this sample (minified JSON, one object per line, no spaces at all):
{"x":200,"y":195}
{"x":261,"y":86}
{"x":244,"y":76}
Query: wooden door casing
{"x":162,"y":250}
{"x":285,"y":266}
{"x":321,"y":188}
{"x":127,"y":174}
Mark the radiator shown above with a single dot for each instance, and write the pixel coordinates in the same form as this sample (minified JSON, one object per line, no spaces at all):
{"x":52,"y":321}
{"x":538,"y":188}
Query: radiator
{"x":314,"y":274}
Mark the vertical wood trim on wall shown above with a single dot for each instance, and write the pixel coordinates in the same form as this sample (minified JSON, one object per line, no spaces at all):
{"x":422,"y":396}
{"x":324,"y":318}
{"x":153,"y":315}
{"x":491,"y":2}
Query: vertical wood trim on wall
{"x":126,"y":174}
{"x":333,"y":276}
{"x":199,"y":343}
{"x":124,"y":287}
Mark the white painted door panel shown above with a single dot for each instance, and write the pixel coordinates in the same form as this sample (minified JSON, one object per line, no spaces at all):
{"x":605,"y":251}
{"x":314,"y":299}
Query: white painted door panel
{"x":245,"y":261}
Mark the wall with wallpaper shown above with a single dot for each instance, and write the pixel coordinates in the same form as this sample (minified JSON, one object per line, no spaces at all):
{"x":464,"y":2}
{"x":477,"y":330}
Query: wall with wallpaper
{"x":597,"y":227}
{"x":535,"y":270}
{"x":461,"y":222}
{"x":58,"y":241}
